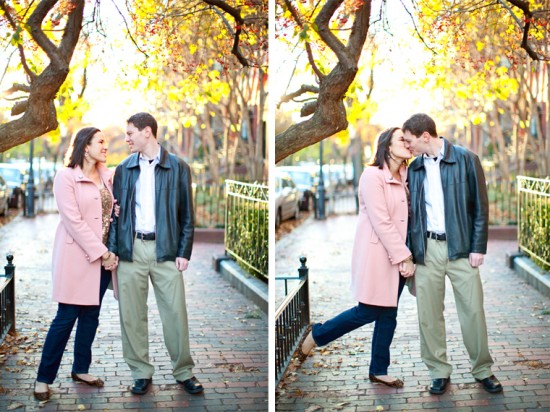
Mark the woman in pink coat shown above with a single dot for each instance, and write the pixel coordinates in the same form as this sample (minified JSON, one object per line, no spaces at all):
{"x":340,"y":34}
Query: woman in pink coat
{"x":81,"y":263}
{"x":381,"y":261}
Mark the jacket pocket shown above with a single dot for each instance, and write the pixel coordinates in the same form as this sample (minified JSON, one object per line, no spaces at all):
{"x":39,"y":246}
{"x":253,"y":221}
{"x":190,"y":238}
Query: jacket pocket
{"x":69,"y":239}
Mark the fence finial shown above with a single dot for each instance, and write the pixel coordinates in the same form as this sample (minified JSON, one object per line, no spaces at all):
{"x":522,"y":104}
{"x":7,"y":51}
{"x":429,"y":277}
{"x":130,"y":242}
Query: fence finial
{"x":303,"y":269}
{"x":9,"y":269}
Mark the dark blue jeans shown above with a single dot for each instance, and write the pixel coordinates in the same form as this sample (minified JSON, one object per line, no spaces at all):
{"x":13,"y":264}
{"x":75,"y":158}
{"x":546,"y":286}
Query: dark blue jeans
{"x":60,"y":332}
{"x":385,"y":321}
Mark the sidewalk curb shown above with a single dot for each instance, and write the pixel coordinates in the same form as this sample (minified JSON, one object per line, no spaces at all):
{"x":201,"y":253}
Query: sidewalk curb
{"x":532,"y":274}
{"x":254,"y":289}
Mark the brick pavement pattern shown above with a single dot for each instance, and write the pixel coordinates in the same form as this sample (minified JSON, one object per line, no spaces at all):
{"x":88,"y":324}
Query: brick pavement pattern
{"x":335,"y":377}
{"x":228,"y":334}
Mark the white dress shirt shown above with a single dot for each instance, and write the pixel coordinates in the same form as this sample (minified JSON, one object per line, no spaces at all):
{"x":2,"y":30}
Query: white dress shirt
{"x":433,"y":189}
{"x":145,"y":194}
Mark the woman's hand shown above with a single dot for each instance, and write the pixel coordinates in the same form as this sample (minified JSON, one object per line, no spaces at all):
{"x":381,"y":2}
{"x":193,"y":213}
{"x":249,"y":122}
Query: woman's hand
{"x":113,"y":266}
{"x":109,"y":260}
{"x":116,"y":207}
{"x":407,"y":267}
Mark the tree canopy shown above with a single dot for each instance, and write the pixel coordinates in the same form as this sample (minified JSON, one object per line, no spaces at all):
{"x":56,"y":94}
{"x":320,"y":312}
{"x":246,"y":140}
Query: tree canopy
{"x":443,"y":26}
{"x":178,"y":37}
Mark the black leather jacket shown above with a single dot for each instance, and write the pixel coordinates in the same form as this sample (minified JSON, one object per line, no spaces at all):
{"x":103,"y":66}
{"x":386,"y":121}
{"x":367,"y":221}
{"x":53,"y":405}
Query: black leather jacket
{"x":465,"y":199}
{"x":173,"y":208}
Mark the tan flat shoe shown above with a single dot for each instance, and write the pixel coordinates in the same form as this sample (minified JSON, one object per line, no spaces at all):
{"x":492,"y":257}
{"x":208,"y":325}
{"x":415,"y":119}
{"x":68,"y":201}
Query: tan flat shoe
{"x":41,"y":396}
{"x":96,"y":382}
{"x":396,"y":383}
{"x":306,"y":347}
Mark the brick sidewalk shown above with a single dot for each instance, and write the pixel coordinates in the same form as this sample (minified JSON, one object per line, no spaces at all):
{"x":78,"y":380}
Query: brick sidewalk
{"x":336,"y":376}
{"x":229,"y":339}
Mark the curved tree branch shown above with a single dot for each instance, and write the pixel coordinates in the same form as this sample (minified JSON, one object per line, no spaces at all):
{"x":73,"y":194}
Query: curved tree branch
{"x":239,"y":21}
{"x":304,"y":89}
{"x":34,"y":24}
{"x":322,"y":21}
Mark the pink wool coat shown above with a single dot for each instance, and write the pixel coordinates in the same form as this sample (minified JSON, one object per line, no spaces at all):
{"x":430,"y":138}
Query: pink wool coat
{"x":380,"y":237}
{"x":77,"y":250}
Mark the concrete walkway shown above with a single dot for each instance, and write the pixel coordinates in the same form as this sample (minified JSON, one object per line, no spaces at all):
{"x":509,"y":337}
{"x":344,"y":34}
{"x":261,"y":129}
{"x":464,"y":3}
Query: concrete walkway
{"x":336,"y":376}
{"x":229,"y":339}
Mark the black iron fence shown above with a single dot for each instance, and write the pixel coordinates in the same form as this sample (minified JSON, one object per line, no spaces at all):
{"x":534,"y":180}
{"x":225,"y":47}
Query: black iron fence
{"x":7,"y":299}
{"x":247,"y":225}
{"x":534,"y":219}
{"x":291,"y":319}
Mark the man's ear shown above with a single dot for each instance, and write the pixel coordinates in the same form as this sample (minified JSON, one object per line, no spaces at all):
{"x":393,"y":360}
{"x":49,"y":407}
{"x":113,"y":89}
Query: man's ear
{"x":148,"y":131}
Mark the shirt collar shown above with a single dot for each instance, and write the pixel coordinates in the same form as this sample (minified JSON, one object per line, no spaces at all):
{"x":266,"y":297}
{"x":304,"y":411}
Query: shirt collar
{"x":439,"y":156}
{"x":155,"y":160}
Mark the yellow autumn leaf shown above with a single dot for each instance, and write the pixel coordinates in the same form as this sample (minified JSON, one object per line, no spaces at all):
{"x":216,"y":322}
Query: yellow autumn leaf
{"x":479,"y":46}
{"x":192,"y":48}
{"x":502,"y":70}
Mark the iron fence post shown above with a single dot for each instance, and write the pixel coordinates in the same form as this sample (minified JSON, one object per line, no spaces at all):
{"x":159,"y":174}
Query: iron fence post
{"x":9,"y":271}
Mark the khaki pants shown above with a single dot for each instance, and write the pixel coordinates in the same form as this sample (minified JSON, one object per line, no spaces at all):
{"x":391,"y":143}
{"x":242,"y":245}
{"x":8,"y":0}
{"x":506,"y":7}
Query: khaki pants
{"x":468,"y":293}
{"x":133,"y":289}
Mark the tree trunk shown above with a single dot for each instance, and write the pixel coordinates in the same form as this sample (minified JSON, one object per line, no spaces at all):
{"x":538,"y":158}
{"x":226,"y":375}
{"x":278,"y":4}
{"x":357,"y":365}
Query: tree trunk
{"x":329,"y":116}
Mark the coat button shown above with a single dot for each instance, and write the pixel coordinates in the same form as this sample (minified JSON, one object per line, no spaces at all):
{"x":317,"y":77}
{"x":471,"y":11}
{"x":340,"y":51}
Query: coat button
{"x":391,"y":177}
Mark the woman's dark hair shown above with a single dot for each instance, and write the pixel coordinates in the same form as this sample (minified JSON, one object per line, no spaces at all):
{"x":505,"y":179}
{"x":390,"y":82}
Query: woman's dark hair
{"x":383,"y":142}
{"x":75,"y":154}
{"x":142,"y":120}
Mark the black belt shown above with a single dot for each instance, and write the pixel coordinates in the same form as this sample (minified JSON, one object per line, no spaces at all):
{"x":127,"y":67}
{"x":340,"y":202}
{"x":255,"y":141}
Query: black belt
{"x":436,"y":236}
{"x":145,"y":236}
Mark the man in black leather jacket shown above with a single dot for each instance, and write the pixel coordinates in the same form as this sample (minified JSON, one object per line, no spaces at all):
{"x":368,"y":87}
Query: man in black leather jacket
{"x":153,"y":238}
{"x":448,"y":230}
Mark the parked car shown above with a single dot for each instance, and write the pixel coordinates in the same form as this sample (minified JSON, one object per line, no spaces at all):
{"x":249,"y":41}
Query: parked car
{"x":287,"y":198}
{"x":4,"y":197}
{"x":15,"y":178}
{"x":304,"y":180}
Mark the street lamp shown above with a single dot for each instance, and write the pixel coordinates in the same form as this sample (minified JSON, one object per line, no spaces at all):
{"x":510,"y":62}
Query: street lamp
{"x":30,"y":186}
{"x":321,"y":187}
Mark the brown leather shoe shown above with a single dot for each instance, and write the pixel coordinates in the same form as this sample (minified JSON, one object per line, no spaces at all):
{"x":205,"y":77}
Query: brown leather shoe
{"x":98,"y":383}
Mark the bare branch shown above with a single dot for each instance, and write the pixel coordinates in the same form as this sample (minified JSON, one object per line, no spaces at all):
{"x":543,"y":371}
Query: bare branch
{"x":128,"y":29}
{"x":416,"y":28}
{"x":19,"y":107}
{"x":239,"y":21}
{"x":19,"y":87}
{"x":305,"y":88}
{"x":12,"y":22}
{"x":309,"y":108}
{"x":300,"y":23}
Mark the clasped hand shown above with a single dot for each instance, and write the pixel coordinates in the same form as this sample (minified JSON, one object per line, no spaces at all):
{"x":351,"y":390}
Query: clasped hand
{"x":109,"y":261}
{"x":407,"y":268}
